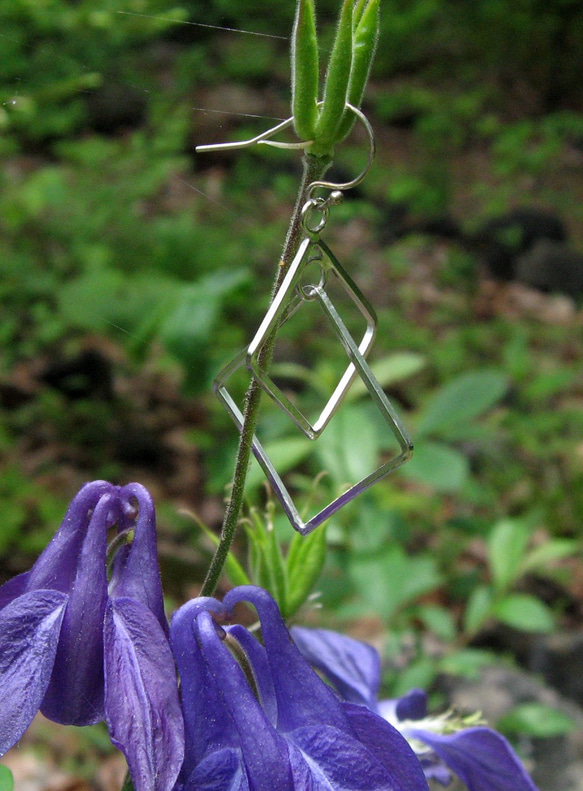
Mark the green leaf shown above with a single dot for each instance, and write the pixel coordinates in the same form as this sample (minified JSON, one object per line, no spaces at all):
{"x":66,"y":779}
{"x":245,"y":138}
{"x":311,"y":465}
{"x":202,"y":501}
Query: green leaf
{"x":418,"y":675}
{"x":6,"y":779}
{"x":255,"y":556}
{"x":233,"y":569}
{"x":549,"y":383}
{"x":389,"y":370}
{"x":390,"y":580}
{"x":304,"y":562}
{"x":524,"y":612}
{"x":478,"y":609}
{"x":507,"y":546}
{"x":438,"y":620}
{"x":305,"y":70}
{"x":468,"y":662}
{"x":86,"y":301}
{"x":437,"y":465}
{"x":536,"y":720}
{"x":336,"y":85}
{"x":276,"y":568}
{"x":285,"y":454}
{"x":548,"y":552}
{"x":463,"y":399}
{"x":185,"y":332}
{"x":349,"y":448}
{"x":268,"y":566}
{"x":359,"y":8}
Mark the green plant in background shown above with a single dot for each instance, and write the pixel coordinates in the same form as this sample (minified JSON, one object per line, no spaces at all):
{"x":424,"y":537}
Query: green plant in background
{"x":84,"y":48}
{"x":69,"y":213}
{"x":379,"y":564}
{"x":149,"y":276}
{"x":6,"y":779}
{"x":27,"y":510}
{"x":448,"y":418}
{"x":511,"y":556}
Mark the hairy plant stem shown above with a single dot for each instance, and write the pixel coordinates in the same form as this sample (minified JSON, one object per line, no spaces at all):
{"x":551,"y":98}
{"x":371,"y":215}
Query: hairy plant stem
{"x":314,"y":169}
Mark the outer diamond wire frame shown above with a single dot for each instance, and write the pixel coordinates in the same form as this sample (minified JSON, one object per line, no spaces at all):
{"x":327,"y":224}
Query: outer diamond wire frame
{"x":377,"y":394}
{"x":284,"y":304}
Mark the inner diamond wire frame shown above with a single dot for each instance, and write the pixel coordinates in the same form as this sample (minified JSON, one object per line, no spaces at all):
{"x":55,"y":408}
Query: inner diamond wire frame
{"x":290,"y":296}
{"x":378,"y":396}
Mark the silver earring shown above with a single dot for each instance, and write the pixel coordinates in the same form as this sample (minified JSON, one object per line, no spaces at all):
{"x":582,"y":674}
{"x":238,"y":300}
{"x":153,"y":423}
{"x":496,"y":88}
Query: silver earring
{"x":290,"y":297}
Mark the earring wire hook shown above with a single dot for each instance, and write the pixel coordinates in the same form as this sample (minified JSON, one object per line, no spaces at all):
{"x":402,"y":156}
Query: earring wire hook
{"x":330,"y":185}
{"x":262,"y":138}
{"x":265,"y":138}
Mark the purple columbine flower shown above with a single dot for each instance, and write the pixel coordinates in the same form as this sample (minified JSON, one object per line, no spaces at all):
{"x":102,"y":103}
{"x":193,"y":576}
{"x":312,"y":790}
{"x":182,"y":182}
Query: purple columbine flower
{"x":258,"y":718}
{"x":81,"y":648}
{"x":444,"y":744}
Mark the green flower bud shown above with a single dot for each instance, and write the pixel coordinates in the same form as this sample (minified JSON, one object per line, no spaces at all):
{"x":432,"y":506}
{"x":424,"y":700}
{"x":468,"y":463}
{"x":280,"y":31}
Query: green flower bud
{"x":365,"y":41}
{"x":304,"y":64}
{"x":336,"y":87}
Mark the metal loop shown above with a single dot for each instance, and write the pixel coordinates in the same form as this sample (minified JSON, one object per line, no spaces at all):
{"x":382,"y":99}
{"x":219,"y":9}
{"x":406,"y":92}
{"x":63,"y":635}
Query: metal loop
{"x":306,"y":292}
{"x":371,"y":155}
{"x":315,"y":205}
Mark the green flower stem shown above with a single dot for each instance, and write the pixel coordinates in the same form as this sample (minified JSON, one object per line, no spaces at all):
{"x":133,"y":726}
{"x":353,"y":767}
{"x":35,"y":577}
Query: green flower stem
{"x":314,"y":169}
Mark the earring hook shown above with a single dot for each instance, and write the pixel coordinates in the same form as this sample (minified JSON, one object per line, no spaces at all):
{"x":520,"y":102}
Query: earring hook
{"x":330,"y":185}
{"x":265,"y":138}
{"x":262,"y":138}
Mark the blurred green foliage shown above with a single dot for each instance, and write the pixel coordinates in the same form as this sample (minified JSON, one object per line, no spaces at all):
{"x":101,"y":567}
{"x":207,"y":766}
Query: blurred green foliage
{"x":110,"y":226}
{"x":6,"y":779}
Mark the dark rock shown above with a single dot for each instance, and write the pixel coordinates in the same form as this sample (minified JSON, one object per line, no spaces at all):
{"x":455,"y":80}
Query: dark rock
{"x":525,"y":244}
{"x":551,"y":266}
{"x":559,"y":659}
{"x":116,"y":107}
{"x":86,"y":375}
{"x":502,"y":239}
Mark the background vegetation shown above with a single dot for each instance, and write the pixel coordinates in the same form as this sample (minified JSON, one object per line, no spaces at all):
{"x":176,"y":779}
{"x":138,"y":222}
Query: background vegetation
{"x":132,"y":269}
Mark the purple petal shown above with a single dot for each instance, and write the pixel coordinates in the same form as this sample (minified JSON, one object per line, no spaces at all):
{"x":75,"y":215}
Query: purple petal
{"x":13,"y":588}
{"x":141,"y":695}
{"x":480,"y":757}
{"x":336,"y":762}
{"x":264,"y":752}
{"x":56,"y":567}
{"x":29,"y":634}
{"x":412,"y":706}
{"x":302,"y":697}
{"x":75,"y":693}
{"x":309,"y":713}
{"x":435,"y":770}
{"x":257,"y":656}
{"x":389,"y":747}
{"x":353,"y":667}
{"x":136,"y":574}
{"x":208,"y":725}
{"x":222,"y":770}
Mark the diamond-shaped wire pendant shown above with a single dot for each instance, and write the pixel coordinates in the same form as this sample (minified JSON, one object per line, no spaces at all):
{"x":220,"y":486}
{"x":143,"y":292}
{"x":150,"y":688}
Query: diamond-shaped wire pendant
{"x":289,"y":298}
{"x":376,"y":393}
